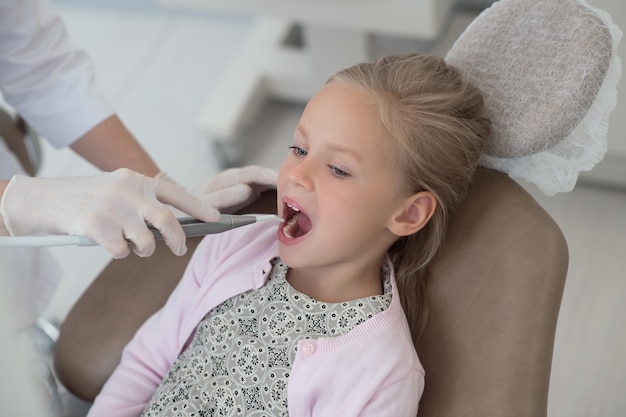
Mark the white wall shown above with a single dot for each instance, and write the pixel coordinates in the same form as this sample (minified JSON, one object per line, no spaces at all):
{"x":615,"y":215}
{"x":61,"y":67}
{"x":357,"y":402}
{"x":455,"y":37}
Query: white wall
{"x":617,"y":129}
{"x":612,"y":170}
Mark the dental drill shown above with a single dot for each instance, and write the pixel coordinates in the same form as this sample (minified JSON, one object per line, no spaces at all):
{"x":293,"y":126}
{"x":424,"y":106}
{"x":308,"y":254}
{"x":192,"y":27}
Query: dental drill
{"x":192,"y":228}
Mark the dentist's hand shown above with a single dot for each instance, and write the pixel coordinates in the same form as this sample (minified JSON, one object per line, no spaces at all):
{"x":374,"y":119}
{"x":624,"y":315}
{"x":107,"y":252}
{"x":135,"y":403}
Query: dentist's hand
{"x":235,"y":188}
{"x":111,"y":209}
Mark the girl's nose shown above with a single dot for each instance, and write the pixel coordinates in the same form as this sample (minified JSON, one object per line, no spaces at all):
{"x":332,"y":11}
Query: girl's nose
{"x":301,"y":174}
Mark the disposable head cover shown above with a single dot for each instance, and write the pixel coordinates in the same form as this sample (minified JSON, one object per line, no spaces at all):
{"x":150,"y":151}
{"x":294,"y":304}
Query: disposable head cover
{"x":548,"y":70}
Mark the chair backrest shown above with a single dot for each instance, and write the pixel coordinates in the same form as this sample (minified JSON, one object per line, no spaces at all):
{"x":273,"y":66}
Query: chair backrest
{"x":487,"y":348}
{"x":494,"y":300}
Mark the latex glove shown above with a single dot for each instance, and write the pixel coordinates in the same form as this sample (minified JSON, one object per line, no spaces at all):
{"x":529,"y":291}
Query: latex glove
{"x":235,"y":188}
{"x":111,"y":209}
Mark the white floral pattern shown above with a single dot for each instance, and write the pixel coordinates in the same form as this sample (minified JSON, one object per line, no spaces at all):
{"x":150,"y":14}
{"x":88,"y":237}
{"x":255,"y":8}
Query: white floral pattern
{"x":239,"y":359}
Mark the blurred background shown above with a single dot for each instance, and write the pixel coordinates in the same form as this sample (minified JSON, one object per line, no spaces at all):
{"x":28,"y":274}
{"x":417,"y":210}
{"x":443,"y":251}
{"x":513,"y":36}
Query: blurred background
{"x":165,"y":67}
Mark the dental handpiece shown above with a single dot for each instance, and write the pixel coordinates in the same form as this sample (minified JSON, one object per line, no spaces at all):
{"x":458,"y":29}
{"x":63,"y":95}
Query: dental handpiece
{"x":192,"y":228}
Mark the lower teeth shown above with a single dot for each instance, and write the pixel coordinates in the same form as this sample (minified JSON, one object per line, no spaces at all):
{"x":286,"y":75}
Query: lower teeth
{"x":289,"y":227}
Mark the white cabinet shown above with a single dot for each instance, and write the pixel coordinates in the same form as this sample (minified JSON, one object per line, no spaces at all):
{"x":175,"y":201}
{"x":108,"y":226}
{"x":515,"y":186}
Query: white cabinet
{"x":336,"y":33}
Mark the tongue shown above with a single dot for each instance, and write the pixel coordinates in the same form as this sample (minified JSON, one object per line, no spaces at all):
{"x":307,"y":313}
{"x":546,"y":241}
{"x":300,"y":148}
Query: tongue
{"x":304,"y":223}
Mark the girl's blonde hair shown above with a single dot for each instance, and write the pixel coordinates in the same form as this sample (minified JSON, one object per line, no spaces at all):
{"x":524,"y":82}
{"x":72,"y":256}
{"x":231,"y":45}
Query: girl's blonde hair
{"x":436,"y":120}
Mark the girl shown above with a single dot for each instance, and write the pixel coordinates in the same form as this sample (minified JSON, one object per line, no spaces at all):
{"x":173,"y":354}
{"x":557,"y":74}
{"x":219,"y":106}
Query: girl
{"x":308,"y":318}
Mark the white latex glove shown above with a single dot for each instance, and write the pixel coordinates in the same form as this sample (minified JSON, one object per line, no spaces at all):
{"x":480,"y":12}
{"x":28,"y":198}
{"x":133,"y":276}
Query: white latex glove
{"x":235,"y":188}
{"x":111,"y":209}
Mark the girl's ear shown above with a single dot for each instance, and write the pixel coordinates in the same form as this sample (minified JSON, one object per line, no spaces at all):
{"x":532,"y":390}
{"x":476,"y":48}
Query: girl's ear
{"x":414,"y":214}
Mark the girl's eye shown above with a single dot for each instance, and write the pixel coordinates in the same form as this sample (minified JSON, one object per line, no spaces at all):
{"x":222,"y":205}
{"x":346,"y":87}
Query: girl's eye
{"x":298,"y":151}
{"x":338,"y":172}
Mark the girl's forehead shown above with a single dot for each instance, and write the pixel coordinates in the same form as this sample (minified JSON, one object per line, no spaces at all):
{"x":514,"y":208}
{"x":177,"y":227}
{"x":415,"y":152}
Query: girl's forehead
{"x":341,"y":106}
{"x":341,"y":112}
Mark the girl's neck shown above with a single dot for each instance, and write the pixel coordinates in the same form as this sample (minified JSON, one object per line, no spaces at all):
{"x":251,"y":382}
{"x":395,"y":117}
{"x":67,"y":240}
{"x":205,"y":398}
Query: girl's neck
{"x":336,"y":285}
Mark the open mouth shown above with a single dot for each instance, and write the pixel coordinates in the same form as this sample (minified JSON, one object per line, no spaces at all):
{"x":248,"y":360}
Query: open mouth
{"x":297,"y":223}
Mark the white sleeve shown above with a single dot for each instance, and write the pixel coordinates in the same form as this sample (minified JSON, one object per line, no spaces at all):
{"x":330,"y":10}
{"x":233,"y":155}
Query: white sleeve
{"x":44,"y":76}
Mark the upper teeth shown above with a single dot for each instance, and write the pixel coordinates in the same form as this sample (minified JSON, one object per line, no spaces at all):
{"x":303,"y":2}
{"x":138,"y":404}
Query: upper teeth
{"x":292,"y":207}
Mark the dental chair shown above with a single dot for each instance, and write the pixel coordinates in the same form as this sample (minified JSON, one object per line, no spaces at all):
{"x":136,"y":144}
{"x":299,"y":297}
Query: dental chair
{"x":496,"y":287}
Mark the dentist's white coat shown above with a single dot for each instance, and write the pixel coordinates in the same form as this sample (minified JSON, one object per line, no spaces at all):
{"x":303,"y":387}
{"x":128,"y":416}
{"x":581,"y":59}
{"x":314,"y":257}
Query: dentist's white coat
{"x":50,"y":82}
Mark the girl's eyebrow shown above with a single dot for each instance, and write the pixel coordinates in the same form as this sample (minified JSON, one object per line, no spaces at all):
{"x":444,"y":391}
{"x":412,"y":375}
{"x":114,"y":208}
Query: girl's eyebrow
{"x":332,"y":146}
{"x":350,"y":152}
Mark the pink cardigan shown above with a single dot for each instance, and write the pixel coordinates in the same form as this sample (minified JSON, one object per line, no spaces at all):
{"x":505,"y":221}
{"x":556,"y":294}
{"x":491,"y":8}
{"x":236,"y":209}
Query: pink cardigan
{"x":372,"y":370}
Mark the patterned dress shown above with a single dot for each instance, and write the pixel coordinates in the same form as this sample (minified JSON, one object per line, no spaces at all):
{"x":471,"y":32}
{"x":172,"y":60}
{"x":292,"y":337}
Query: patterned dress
{"x":239,"y":360}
